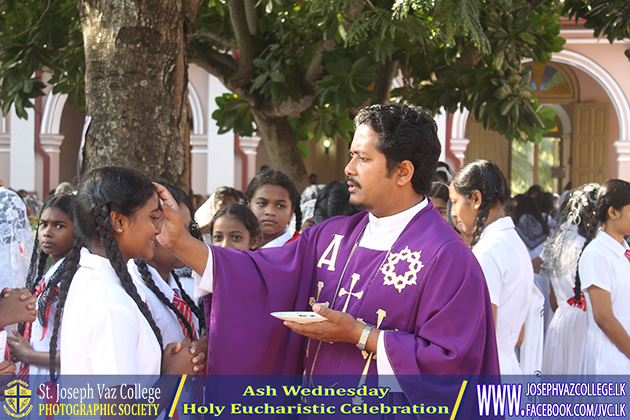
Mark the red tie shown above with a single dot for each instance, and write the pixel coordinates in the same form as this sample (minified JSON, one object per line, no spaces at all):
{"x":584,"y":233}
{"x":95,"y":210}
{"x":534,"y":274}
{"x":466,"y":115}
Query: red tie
{"x":184,"y":309}
{"x":628,"y":254}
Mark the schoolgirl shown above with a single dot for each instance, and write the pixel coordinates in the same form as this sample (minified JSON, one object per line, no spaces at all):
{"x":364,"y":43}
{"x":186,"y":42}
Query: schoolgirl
{"x":235,"y":226}
{"x":560,"y":256}
{"x":273,"y":198}
{"x":107,"y":327}
{"x":174,"y":312}
{"x":478,"y":193}
{"x":603,"y":269}
{"x":55,"y":238}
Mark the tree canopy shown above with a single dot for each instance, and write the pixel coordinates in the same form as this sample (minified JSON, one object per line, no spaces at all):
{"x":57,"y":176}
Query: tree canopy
{"x":299,"y":70}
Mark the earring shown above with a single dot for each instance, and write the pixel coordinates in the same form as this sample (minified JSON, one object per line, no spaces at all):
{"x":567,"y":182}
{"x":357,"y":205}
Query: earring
{"x":119,"y":230}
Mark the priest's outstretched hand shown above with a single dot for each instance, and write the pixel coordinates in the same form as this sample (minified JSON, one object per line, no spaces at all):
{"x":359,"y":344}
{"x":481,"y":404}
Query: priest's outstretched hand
{"x":175,"y":235}
{"x":339,"y":327}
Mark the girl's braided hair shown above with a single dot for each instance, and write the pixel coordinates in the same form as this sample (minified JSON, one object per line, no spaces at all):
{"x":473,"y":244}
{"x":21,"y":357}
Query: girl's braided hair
{"x":486,"y":177}
{"x":103,"y":190}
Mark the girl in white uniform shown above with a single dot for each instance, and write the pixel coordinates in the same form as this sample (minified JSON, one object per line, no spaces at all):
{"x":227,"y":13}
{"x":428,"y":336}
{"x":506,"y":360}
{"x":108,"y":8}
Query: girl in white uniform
{"x":273,"y":198}
{"x":604,"y":268}
{"x":173,"y":310}
{"x":235,"y":226}
{"x":560,"y":256}
{"x":478,"y":193}
{"x":55,"y":237}
{"x":107,"y":328}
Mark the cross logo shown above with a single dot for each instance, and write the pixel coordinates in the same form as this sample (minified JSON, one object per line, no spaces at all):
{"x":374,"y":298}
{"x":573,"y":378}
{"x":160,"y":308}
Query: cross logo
{"x":17,"y":398}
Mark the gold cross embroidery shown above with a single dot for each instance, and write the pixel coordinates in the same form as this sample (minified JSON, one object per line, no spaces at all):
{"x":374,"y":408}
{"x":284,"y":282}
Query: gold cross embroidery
{"x":358,"y":295}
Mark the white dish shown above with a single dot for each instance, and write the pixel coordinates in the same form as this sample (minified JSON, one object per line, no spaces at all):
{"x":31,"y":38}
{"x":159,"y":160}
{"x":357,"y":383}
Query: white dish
{"x":302,"y":317}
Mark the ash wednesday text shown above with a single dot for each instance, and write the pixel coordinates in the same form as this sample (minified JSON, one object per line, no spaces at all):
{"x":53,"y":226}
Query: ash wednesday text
{"x":317,"y":391}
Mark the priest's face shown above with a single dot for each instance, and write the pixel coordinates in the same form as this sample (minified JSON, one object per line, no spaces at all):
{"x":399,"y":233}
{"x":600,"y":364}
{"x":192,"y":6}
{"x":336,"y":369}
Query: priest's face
{"x":371,"y":187}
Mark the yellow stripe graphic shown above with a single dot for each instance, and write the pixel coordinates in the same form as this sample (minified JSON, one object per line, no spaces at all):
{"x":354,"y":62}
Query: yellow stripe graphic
{"x":459,"y":399}
{"x":179,"y":391}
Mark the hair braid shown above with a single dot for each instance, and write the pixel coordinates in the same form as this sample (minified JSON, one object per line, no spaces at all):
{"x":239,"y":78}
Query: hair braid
{"x":482,"y":218}
{"x":114,"y":255}
{"x":193,"y":307}
{"x":298,"y":218}
{"x":148,"y":280}
{"x":64,"y":285}
{"x":34,"y":275}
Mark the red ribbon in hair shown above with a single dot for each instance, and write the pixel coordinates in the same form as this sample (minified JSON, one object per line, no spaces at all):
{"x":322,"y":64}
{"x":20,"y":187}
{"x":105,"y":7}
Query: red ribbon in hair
{"x":579,"y":303}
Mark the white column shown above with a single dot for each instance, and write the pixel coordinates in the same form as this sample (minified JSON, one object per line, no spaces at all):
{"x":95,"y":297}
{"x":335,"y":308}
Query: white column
{"x":458,"y":147}
{"x":220,"y":146}
{"x":22,"y":160}
{"x":5,"y":152}
{"x":440,"y":121}
{"x":623,"y":159}
{"x":249,"y":146}
{"x":51,"y":143}
{"x":198,"y":165}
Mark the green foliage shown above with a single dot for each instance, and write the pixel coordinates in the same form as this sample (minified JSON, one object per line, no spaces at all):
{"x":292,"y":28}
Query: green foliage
{"x":347,"y":83}
{"x":234,"y":114}
{"x":607,"y":18}
{"x":450,"y":53}
{"x":37,"y":35}
{"x":495,"y":87}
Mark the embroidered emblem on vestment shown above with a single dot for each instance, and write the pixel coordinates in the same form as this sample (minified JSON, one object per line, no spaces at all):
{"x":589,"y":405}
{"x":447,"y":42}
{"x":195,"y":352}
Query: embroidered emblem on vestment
{"x":407,"y":279}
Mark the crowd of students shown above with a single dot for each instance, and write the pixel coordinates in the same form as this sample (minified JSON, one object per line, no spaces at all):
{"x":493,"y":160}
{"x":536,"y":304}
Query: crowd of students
{"x":103,"y":296}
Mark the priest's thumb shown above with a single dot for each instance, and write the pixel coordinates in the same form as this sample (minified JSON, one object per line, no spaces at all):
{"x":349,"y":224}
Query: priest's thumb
{"x":322,"y":310}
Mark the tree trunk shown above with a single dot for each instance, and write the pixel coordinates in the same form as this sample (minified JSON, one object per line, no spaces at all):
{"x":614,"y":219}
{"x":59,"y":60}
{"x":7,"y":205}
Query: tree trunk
{"x":280,"y":143}
{"x":136,"y":86}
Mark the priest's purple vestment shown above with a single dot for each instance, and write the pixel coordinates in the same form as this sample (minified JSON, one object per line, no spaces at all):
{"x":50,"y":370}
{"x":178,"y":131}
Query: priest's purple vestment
{"x":427,"y":294}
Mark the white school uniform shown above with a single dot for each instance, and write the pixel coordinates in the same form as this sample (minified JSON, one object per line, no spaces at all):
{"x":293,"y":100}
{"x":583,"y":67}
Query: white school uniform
{"x":566,"y":332}
{"x":40,"y":341}
{"x":103,"y":332}
{"x":603,"y":264}
{"x":508,"y":269}
{"x":164,"y":317}
{"x":279,"y":241}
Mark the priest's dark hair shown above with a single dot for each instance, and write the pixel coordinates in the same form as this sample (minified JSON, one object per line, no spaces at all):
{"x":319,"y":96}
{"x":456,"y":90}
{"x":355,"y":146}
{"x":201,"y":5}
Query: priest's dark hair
{"x":103,"y":190}
{"x":277,"y":178}
{"x":406,"y":132}
{"x":486,"y":177}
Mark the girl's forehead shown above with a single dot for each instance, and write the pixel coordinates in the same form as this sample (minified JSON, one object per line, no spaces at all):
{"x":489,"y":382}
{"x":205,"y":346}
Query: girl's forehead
{"x":54,"y":213}
{"x":270,"y":191}
{"x":228,"y":223}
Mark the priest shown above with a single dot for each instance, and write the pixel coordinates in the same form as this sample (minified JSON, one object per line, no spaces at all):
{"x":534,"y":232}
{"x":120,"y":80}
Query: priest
{"x":401,"y":292}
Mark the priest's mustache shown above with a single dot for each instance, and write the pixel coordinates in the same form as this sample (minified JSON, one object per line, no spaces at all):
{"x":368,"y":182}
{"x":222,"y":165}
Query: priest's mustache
{"x":355,"y":182}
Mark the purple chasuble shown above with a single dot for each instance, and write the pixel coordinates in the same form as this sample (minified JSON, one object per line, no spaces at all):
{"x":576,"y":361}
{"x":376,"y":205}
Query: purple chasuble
{"x":427,"y":292}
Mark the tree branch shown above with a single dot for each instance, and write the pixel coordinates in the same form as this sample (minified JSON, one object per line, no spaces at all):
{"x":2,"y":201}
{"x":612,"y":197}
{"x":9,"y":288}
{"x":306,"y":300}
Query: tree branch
{"x":286,"y":108}
{"x":218,"y":64}
{"x":383,"y":83}
{"x":191,"y":9}
{"x":214,"y":37}
{"x":314,"y":69}
{"x":252,"y":16}
{"x":245,"y":71}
